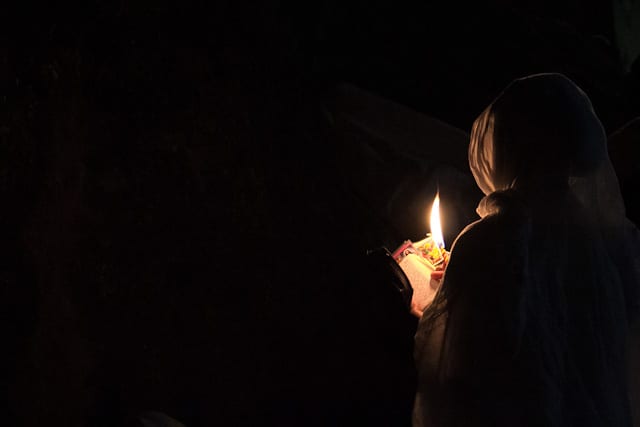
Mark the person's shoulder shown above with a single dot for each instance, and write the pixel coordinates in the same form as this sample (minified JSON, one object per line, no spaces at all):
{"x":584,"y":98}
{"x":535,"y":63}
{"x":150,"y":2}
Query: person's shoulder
{"x":477,"y":235}
{"x":506,"y":219}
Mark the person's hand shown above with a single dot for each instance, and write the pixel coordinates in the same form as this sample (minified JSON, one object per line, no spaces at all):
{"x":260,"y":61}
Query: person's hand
{"x":423,"y":297}
{"x":436,"y":278}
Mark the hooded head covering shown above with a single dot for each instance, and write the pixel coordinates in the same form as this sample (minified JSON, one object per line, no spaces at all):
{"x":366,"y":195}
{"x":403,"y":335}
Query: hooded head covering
{"x":539,"y":132}
{"x":541,"y":138}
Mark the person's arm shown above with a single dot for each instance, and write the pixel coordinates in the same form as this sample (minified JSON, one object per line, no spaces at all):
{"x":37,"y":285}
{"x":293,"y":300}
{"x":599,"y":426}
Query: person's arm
{"x":465,"y":340}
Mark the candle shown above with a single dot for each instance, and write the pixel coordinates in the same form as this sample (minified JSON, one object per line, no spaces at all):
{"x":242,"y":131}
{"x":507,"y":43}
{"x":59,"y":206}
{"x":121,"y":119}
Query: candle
{"x":430,"y":250}
{"x":418,"y":260}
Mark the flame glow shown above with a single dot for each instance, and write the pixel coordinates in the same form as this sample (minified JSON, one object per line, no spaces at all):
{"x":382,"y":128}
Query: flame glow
{"x":434,"y":222}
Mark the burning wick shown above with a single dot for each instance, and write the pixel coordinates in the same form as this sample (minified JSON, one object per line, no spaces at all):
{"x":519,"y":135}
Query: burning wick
{"x":430,"y":250}
{"x":434,"y":222}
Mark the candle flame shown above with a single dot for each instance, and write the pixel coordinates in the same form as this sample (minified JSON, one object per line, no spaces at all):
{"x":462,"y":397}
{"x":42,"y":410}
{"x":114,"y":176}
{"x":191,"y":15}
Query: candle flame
{"x":434,"y":222}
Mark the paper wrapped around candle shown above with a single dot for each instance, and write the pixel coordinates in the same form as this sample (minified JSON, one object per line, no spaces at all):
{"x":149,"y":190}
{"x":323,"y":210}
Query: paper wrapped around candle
{"x":419,"y":275}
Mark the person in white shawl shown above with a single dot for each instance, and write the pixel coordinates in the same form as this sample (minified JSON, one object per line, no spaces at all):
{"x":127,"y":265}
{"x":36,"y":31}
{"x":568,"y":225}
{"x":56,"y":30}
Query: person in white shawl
{"x":531,"y":322}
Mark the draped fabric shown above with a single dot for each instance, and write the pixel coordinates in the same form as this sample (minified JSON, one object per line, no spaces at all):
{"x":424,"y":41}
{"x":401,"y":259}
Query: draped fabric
{"x":530,"y":324}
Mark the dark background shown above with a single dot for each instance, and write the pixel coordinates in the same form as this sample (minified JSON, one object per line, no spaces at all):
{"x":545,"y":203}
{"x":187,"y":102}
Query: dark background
{"x":177,"y":230}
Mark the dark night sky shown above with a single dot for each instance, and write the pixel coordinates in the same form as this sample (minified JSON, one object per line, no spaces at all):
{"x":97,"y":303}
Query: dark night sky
{"x":178,"y":232}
